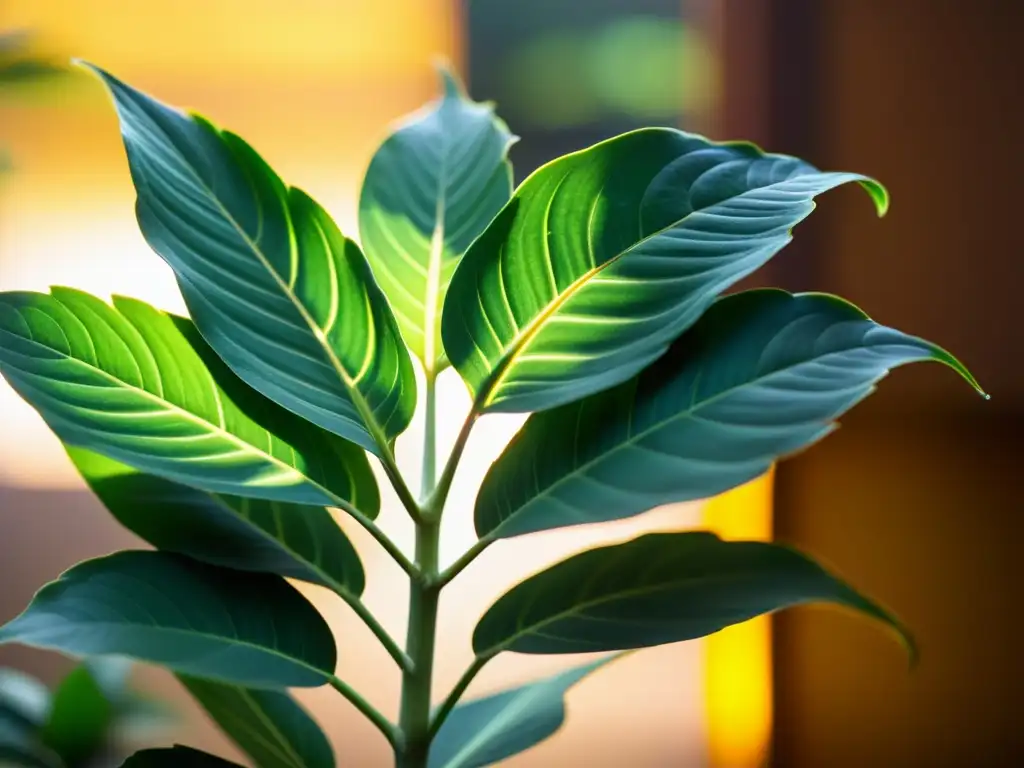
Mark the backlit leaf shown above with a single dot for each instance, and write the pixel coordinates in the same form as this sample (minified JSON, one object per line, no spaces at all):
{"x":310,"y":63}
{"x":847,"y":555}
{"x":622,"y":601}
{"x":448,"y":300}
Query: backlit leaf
{"x":431,"y":188}
{"x":656,"y":589}
{"x":487,"y":730}
{"x":762,"y":374}
{"x":283,"y":297}
{"x":297,"y":541}
{"x":141,"y":387}
{"x":602,"y":257}
{"x":245,"y":628}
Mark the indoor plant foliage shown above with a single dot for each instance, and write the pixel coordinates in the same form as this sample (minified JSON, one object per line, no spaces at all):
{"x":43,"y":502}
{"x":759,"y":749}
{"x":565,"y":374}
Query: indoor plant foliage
{"x":590,"y":297}
{"x":91,"y":719}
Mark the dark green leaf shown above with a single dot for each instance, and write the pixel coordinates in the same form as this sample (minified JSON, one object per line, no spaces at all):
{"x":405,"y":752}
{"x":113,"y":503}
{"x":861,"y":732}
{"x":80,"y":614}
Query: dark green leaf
{"x":24,"y":698}
{"x":287,"y":301}
{"x":603,"y":257}
{"x":176,"y":757}
{"x":485,"y":731}
{"x":141,"y":387}
{"x":196,"y":619}
{"x":269,"y":726}
{"x":79,"y":719}
{"x":660,"y":588}
{"x":431,"y":188}
{"x":762,"y":374}
{"x":300,"y":542}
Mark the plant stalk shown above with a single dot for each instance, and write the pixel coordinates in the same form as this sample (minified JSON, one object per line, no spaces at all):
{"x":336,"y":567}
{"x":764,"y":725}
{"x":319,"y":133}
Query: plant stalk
{"x":414,"y":714}
{"x":429,"y":478}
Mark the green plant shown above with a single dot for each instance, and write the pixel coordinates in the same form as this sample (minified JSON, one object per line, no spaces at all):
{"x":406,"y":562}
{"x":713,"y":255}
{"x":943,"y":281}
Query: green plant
{"x":589,"y":297}
{"x":92,"y":719}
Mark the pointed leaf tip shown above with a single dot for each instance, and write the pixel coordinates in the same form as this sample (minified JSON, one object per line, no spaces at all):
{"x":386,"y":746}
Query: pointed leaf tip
{"x":451,"y":84}
{"x":879,"y":195}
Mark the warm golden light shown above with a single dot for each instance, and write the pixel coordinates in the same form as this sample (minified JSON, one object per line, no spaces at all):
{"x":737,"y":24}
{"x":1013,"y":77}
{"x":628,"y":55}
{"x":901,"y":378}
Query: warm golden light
{"x":738,"y":660}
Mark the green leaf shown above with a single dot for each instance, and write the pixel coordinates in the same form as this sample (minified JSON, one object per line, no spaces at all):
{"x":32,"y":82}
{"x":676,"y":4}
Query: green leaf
{"x":176,"y":757}
{"x":431,"y":188}
{"x":269,"y":726}
{"x":762,"y":374}
{"x":656,"y":589}
{"x":24,"y":698}
{"x":299,"y":542}
{"x":603,"y":257}
{"x":284,"y":298}
{"x":251,"y":629}
{"x":487,"y":730}
{"x":141,"y":387}
{"x":79,"y":719}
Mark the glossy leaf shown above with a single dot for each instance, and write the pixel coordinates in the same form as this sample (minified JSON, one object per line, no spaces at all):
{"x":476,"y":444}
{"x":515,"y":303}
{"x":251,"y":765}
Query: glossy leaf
{"x":762,"y":374}
{"x":80,"y":718}
{"x":269,"y":726}
{"x":284,"y":298}
{"x":300,"y":542}
{"x":431,"y":188}
{"x":176,"y":757}
{"x":604,"y":256}
{"x":23,"y":698}
{"x":656,"y":589}
{"x":251,"y":629}
{"x":141,"y":387}
{"x":487,"y":730}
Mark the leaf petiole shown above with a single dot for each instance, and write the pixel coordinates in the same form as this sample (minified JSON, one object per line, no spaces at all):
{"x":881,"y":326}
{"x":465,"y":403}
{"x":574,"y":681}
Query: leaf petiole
{"x":456,"y":693}
{"x":394,"y":651}
{"x":459,"y":565}
{"x":385,"y":726}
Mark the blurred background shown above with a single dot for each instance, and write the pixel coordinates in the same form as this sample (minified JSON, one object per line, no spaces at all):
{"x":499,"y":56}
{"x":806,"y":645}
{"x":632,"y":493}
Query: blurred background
{"x":916,"y":500}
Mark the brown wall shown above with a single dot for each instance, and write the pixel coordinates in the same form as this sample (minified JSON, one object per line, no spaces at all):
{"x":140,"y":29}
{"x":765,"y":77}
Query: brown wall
{"x":917,"y":498}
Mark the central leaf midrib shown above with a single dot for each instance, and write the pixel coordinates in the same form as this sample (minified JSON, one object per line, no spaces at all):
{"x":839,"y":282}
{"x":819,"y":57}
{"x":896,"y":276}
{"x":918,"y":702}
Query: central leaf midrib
{"x":635,"y":437}
{"x":523,"y":337}
{"x":370,"y":422}
{"x":434,"y":263}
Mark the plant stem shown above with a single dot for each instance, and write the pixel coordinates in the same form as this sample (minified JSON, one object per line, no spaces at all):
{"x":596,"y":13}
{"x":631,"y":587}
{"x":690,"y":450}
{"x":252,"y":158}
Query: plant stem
{"x":396,"y":653}
{"x":414,"y":717}
{"x":436,"y":500}
{"x":386,"y":727}
{"x":414,"y":714}
{"x":389,"y":546}
{"x":429,"y":479}
{"x":467,"y":557}
{"x":387,"y":460}
{"x":460,"y":688}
